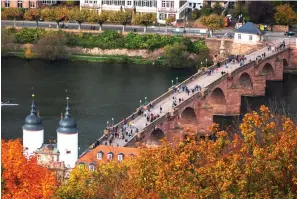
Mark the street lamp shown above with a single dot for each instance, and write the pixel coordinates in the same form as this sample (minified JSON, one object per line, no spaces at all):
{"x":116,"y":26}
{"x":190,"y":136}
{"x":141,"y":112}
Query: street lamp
{"x":176,"y":80}
{"x":144,"y":100}
{"x":206,"y":62}
{"x":171,"y":83}
{"x":140,"y":103}
{"x":201,"y":64}
{"x":107,"y":123}
{"x":112,"y":122}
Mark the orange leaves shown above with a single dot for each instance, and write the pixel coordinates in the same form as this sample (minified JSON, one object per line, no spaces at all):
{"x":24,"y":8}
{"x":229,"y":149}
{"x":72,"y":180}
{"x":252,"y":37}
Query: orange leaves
{"x":22,"y":177}
{"x":260,"y":164}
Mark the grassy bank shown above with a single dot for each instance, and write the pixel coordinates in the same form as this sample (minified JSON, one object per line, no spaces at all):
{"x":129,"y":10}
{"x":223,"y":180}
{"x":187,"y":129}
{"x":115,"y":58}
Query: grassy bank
{"x":103,"y":59}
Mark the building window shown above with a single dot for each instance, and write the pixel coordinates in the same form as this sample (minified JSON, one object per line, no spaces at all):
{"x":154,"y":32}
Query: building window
{"x":129,"y":3}
{"x":86,"y":1}
{"x":239,"y":36}
{"x":38,"y":157}
{"x":53,"y":158}
{"x":31,"y":4}
{"x":120,"y":157}
{"x":20,"y":4}
{"x":132,"y":155}
{"x":82,"y":165}
{"x":100,"y":155}
{"x":163,"y":4}
{"x":91,"y":167}
{"x":250,"y":37}
{"x":7,"y":3}
{"x":95,"y":2}
{"x":109,"y":156}
{"x":162,"y":16}
{"x":171,"y":4}
{"x":68,"y":151}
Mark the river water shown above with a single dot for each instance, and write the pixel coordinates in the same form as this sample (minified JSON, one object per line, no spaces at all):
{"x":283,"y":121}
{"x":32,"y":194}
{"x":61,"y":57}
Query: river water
{"x":99,"y":92}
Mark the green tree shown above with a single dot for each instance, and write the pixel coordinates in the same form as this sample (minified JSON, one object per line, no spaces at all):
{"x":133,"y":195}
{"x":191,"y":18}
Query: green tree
{"x":13,"y":13}
{"x":217,"y":8}
{"x":212,"y":22}
{"x":79,"y":16}
{"x":285,"y":15}
{"x":196,"y":14}
{"x":206,"y":10}
{"x":176,"y":55}
{"x":33,"y":14}
{"x":169,"y":21}
{"x":145,"y":19}
{"x":241,"y":9}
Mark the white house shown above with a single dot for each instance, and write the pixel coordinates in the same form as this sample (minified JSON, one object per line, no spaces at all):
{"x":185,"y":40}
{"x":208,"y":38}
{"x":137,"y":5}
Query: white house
{"x":248,"y":34}
{"x":162,"y":8}
{"x":195,"y":4}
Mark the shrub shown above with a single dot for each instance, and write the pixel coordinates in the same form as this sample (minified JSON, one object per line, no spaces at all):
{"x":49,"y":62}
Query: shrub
{"x":52,"y":47}
{"x":26,"y":35}
{"x":7,"y":40}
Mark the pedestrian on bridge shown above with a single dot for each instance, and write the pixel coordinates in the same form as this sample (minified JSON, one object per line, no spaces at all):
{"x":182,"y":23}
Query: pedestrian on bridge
{"x":160,"y":109}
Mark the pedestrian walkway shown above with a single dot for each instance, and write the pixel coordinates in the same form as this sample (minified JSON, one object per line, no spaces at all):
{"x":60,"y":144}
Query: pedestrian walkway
{"x":140,"y":121}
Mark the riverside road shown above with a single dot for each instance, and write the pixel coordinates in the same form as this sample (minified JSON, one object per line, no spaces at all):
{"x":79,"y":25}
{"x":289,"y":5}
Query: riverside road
{"x":129,"y":28}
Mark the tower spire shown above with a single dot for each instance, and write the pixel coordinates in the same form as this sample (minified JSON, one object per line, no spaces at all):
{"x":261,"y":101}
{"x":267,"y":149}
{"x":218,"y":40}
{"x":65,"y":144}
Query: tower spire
{"x":33,"y":107}
{"x":67,"y":113}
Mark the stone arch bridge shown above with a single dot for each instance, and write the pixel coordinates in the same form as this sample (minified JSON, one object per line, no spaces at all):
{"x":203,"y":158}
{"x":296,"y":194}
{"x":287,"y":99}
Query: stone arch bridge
{"x":221,"y":96}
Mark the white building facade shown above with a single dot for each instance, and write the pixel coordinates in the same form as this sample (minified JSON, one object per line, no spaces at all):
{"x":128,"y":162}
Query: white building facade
{"x":195,"y":4}
{"x":162,"y":8}
{"x":248,"y":33}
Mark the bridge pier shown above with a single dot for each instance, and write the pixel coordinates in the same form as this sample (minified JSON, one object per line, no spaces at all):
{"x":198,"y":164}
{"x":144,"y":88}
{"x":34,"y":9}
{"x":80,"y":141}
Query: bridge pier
{"x":204,"y":115}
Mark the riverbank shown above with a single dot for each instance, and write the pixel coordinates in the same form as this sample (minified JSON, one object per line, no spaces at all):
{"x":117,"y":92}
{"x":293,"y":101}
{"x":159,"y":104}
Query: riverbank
{"x":96,"y":58}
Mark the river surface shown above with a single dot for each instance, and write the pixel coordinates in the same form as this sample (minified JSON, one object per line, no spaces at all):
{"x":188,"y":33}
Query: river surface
{"x":99,"y":92}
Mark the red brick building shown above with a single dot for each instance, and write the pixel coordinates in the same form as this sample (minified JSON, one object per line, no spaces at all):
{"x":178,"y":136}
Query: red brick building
{"x":25,"y":3}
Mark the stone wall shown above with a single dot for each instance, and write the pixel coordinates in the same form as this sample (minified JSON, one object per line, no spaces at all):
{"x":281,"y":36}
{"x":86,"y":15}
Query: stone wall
{"x":280,"y":28}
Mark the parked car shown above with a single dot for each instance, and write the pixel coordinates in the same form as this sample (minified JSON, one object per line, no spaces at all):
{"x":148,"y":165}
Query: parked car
{"x":229,"y":16}
{"x":179,"y":30}
{"x":290,"y":33}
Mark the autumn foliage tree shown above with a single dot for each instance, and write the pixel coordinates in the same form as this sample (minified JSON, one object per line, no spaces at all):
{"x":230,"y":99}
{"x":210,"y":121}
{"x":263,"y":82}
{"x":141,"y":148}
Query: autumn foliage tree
{"x":285,"y":15}
{"x":101,"y":18}
{"x":23,"y":178}
{"x":145,"y":19}
{"x":33,"y":14}
{"x":13,"y":13}
{"x":212,"y":22}
{"x":259,"y":162}
{"x":57,"y":14}
{"x":78,"y":15}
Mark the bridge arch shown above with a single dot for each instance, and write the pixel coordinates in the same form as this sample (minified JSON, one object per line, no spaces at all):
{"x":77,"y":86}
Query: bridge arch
{"x":155,"y":137}
{"x":245,"y":81}
{"x":189,"y":116}
{"x":268,"y":70}
{"x":217,"y":100}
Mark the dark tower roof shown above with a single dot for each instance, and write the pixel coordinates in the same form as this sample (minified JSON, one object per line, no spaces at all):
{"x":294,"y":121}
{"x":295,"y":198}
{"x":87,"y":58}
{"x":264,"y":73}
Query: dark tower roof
{"x":33,"y":122}
{"x":67,"y":124}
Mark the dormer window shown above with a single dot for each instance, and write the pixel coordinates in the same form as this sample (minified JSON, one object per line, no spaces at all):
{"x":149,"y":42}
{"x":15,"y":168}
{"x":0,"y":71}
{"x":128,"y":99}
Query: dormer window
{"x":110,"y":156}
{"x":92,"y":167}
{"x":120,"y":157}
{"x":100,"y":155}
{"x":132,"y":155}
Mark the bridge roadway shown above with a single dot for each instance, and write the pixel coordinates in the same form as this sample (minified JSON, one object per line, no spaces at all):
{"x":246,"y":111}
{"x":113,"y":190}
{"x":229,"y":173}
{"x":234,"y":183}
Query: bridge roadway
{"x":166,"y":104}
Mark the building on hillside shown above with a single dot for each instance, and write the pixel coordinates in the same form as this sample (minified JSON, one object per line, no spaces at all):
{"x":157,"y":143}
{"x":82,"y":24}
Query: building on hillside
{"x":26,"y":3}
{"x":60,"y":157}
{"x":195,"y":4}
{"x":162,"y":8}
{"x":224,"y":4}
{"x":248,"y":33}
{"x":105,"y":153}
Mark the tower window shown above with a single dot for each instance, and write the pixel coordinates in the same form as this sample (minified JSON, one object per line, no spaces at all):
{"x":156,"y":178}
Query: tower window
{"x":68,"y":152}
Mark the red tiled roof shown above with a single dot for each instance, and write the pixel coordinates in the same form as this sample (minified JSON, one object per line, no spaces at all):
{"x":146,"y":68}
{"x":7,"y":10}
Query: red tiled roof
{"x":91,"y":156}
